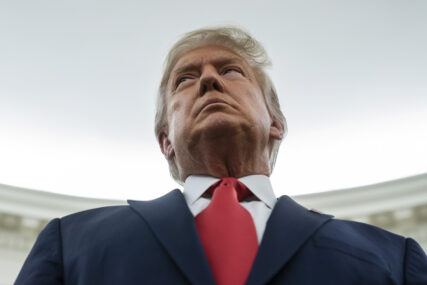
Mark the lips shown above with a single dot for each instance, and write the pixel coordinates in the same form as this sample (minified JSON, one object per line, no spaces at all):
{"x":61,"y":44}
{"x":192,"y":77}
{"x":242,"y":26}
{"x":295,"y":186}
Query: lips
{"x":212,"y":101}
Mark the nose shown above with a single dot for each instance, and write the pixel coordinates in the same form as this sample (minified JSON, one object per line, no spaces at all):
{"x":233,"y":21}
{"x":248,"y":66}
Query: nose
{"x":210,"y":81}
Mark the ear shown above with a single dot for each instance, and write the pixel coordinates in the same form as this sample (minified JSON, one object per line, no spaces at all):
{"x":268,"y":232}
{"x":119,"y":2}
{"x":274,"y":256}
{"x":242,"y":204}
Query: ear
{"x":166,"y":145}
{"x":277,"y":129}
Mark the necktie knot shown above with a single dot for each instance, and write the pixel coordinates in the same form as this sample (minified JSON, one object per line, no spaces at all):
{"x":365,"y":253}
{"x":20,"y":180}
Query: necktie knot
{"x":230,"y":184}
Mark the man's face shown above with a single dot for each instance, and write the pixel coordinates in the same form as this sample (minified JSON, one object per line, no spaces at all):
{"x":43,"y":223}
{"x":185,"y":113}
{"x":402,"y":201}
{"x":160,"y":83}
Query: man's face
{"x":212,"y":92}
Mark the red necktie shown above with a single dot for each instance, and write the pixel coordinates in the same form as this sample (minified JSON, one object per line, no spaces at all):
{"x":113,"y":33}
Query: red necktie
{"x":228,"y":233}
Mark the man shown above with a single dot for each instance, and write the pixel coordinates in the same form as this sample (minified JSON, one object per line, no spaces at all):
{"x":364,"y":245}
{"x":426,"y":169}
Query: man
{"x":218,"y":118}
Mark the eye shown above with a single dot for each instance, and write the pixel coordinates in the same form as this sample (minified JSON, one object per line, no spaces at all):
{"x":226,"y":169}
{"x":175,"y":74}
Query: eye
{"x":230,"y":70}
{"x":181,"y":80}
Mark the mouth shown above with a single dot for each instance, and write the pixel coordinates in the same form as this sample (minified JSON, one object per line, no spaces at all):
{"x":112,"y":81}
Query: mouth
{"x":211,"y":102}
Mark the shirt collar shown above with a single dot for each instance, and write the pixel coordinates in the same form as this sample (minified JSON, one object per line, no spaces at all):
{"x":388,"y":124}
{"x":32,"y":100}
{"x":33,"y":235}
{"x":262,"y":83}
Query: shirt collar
{"x":260,"y":186}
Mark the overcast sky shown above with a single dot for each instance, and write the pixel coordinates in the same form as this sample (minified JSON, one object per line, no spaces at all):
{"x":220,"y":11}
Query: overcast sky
{"x":78,"y":81}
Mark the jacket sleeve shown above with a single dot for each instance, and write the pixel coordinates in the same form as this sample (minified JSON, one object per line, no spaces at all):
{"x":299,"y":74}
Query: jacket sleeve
{"x":415,"y":264}
{"x":44,"y":263}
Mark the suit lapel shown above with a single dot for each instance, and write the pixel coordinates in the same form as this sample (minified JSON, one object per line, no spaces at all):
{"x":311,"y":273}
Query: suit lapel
{"x":288,"y":227}
{"x":173,"y":224}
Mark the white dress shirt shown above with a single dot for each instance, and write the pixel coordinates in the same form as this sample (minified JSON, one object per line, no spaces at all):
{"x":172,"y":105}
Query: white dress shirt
{"x":259,"y":207}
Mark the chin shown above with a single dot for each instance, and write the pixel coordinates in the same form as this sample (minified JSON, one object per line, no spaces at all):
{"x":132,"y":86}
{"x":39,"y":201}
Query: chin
{"x":220,"y":124}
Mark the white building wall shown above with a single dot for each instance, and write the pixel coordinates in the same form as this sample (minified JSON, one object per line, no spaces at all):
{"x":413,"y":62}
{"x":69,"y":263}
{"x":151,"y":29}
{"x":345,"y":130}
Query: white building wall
{"x":399,"y":206}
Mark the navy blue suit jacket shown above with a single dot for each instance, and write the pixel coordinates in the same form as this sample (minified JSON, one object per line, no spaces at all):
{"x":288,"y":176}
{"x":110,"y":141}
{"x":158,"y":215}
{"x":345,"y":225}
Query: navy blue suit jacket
{"x":155,"y":242}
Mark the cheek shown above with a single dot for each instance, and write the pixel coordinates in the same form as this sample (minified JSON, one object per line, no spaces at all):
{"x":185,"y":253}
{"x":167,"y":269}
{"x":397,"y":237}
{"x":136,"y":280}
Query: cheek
{"x":255,"y":101}
{"x":180,"y":102}
{"x":177,"y":115}
{"x":174,"y":109}
{"x":260,"y":109}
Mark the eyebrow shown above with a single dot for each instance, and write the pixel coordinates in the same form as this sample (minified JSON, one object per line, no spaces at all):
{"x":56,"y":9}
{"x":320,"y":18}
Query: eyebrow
{"x":220,"y":61}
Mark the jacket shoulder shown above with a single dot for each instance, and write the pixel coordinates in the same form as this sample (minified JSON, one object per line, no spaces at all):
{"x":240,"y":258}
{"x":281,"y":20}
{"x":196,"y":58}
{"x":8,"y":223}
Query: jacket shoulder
{"x":369,"y":244}
{"x":109,"y":219}
{"x":97,"y":214}
{"x":359,"y":233}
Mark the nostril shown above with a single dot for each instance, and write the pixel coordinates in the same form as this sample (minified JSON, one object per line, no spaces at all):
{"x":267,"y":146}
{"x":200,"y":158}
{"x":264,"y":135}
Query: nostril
{"x":216,"y":86}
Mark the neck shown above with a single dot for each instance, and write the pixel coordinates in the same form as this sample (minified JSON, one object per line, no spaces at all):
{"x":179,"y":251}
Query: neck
{"x":224,"y":157}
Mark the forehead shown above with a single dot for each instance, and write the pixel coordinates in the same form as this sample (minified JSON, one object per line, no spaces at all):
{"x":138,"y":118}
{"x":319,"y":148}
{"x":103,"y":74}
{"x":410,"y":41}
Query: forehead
{"x":208,"y":54}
